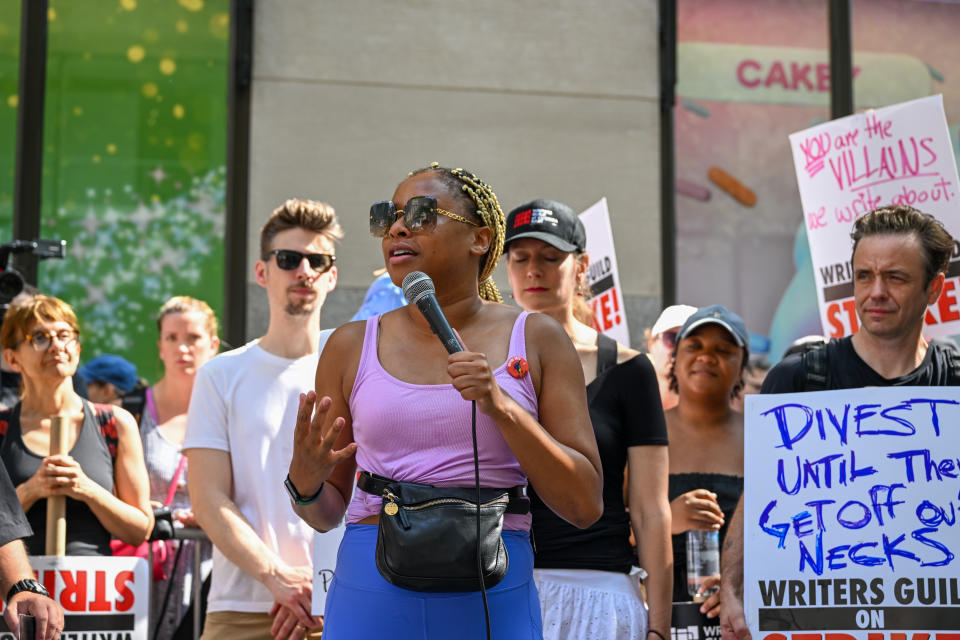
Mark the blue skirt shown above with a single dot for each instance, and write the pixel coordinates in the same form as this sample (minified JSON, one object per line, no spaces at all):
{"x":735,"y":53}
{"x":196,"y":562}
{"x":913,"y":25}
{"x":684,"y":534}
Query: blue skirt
{"x":361,"y":605}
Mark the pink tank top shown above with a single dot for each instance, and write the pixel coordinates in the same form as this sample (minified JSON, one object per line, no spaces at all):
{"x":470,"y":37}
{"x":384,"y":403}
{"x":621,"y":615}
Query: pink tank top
{"x":421,"y":433}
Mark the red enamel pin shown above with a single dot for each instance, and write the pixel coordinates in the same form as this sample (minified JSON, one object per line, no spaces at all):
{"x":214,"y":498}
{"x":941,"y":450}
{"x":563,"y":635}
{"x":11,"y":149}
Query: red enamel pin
{"x":517,"y":367}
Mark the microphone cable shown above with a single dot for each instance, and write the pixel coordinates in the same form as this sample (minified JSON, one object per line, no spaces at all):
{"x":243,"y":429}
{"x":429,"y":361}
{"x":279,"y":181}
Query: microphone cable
{"x":476,"y":475}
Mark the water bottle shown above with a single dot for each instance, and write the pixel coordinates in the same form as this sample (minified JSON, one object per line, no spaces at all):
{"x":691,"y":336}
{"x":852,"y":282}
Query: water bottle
{"x":703,"y":561}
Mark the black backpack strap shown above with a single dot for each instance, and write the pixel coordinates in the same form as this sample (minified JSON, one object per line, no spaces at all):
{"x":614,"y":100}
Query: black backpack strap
{"x":816,"y":368}
{"x":606,"y":353}
{"x":953,"y":374}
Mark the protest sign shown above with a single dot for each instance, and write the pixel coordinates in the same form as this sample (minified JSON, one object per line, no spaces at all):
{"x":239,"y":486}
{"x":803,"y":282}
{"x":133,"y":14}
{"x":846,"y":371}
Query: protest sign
{"x":850,"y":514}
{"x":896,"y":155}
{"x":609,"y":315}
{"x":103,"y":598}
{"x":325,"y":548}
{"x":687,"y":623}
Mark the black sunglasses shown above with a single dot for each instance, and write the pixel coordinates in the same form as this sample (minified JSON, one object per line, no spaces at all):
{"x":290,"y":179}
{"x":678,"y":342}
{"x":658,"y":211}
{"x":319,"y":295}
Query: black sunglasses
{"x":419,"y":214}
{"x":288,"y":260}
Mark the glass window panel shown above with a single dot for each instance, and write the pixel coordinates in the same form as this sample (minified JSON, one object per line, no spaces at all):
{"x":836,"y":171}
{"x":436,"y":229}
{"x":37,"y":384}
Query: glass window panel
{"x":9,"y":78}
{"x":748,"y":74}
{"x":134,"y":164}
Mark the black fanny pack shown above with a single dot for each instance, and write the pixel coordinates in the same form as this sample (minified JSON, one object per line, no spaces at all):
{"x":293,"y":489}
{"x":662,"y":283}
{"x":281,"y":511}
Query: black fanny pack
{"x":427,"y":537}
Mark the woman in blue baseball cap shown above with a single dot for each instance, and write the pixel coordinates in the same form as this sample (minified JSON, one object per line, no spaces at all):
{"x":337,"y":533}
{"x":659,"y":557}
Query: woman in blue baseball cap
{"x":706,"y":438}
{"x":109,"y":378}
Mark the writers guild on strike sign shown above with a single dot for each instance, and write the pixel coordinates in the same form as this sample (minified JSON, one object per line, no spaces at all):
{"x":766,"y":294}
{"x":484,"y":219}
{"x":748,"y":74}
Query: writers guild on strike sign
{"x":103,"y":598}
{"x":851,"y":504}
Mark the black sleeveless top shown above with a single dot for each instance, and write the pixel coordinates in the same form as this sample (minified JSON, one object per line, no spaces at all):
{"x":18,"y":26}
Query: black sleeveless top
{"x":728,"y":490}
{"x":625,"y":410}
{"x":95,"y":451}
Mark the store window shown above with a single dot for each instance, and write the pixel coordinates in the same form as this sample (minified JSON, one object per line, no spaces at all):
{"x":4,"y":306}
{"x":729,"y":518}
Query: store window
{"x":748,"y":75}
{"x":9,"y":77}
{"x":134,"y":163}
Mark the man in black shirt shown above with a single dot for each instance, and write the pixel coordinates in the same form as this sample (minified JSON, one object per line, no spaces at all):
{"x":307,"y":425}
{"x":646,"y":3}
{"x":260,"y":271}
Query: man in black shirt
{"x":900,"y":257}
{"x":23,"y":593}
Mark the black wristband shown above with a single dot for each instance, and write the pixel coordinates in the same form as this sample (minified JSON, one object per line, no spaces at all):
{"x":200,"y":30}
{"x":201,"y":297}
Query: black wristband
{"x":295,"y":495}
{"x":656,"y":633}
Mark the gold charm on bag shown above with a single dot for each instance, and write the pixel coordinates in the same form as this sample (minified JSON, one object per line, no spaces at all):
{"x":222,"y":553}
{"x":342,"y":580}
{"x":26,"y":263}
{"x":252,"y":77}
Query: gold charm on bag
{"x":391,"y":507}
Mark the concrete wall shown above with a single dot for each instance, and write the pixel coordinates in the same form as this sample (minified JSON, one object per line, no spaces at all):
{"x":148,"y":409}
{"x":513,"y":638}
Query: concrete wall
{"x":540,"y":98}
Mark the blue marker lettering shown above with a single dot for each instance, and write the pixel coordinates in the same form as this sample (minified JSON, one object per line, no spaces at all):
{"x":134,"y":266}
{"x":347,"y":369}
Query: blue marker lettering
{"x":938,"y":515}
{"x":864,"y":560}
{"x":919,"y":535}
{"x":780,"y":413}
{"x":906,"y":423}
{"x":862,"y":471}
{"x":935,"y":419}
{"x":806,"y":559}
{"x":835,"y":557}
{"x":890,"y":502}
{"x":800,"y":523}
{"x":854,"y":524}
{"x":840,"y":427}
{"x":818,"y":509}
{"x":778,"y":531}
{"x":907,"y":457}
{"x":782,"y":481}
{"x":890,"y":549}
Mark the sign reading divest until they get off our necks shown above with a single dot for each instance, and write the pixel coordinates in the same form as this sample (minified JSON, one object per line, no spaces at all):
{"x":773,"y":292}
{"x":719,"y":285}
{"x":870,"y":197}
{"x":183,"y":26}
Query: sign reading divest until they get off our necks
{"x":895,"y":155}
{"x":851,"y":500}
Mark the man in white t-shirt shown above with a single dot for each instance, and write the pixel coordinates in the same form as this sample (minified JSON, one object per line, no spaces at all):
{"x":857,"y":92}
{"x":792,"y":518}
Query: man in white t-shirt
{"x":239,"y":438}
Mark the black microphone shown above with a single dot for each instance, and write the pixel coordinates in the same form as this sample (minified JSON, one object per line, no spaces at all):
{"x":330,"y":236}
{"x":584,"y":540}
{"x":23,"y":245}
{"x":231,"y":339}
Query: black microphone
{"x":418,"y":289}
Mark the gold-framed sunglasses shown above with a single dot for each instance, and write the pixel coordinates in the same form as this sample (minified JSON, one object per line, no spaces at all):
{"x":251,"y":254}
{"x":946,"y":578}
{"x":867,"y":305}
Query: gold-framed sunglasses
{"x":419,"y":214}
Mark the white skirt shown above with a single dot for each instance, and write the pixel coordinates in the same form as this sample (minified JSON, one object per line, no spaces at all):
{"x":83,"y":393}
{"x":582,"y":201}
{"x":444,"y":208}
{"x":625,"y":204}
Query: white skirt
{"x":591,"y":605}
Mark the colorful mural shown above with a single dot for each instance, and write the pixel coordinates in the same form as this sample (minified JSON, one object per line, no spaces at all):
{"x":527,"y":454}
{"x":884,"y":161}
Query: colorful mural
{"x":134,"y":154}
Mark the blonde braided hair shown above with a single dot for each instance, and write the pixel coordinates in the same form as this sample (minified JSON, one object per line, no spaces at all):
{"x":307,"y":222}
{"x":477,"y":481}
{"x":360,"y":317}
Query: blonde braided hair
{"x":488,"y":210}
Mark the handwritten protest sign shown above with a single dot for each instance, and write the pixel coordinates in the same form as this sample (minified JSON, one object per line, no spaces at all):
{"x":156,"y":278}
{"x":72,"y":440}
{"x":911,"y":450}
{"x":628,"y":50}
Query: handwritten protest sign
{"x":106,"y":598}
{"x":325,"y":548}
{"x":896,"y":155}
{"x":851,"y":500}
{"x":602,"y":275}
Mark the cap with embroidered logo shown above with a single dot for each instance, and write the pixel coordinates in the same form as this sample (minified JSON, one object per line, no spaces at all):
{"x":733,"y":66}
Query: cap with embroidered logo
{"x":549,"y":221}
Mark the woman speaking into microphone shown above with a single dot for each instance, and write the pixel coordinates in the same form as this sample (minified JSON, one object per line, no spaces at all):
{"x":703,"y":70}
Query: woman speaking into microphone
{"x":426,"y":427}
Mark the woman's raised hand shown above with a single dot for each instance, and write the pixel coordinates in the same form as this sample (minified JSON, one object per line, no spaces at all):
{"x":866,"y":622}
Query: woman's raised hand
{"x":314,"y":457}
{"x":697,"y":509}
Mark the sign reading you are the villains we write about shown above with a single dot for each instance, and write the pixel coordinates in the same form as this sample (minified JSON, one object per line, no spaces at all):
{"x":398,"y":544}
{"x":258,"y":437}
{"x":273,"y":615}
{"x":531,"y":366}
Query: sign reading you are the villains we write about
{"x":851,"y":503}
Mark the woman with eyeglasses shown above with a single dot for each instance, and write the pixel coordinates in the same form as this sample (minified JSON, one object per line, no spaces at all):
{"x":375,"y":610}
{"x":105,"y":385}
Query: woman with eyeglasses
{"x":103,"y":476}
{"x":392,"y":402}
{"x":588,"y":586}
{"x":706,"y":438}
{"x":187,"y":340}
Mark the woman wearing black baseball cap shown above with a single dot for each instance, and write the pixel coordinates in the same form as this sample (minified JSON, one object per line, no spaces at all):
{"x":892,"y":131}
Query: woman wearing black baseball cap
{"x":586,"y":579}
